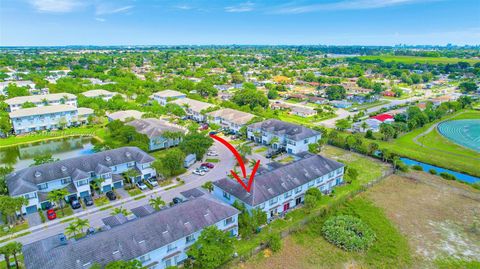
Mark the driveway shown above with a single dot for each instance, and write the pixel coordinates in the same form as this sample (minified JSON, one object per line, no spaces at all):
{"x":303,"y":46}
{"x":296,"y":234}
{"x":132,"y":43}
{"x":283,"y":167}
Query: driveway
{"x":34,"y":219}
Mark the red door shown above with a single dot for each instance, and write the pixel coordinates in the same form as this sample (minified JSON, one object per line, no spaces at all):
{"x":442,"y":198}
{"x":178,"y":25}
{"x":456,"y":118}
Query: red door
{"x":286,"y":207}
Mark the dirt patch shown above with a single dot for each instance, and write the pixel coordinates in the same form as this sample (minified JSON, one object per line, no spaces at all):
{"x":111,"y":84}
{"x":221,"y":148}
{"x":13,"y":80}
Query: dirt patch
{"x":437,"y":216}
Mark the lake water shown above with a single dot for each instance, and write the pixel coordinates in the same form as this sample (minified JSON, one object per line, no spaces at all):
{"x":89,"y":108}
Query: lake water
{"x":21,"y":156}
{"x":427,"y":167}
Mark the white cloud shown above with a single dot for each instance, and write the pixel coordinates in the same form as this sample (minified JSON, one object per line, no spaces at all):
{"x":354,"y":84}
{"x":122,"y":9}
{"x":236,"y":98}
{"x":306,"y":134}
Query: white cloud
{"x":57,"y":6}
{"x":183,"y":7}
{"x":343,"y":5}
{"x":100,"y":19}
{"x":110,"y":9}
{"x":243,"y":7}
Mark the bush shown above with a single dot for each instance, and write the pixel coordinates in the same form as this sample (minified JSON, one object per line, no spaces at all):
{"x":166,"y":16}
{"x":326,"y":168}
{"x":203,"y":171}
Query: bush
{"x":432,"y":171}
{"x":447,"y":176}
{"x":274,"y":242}
{"x":417,"y":167}
{"x":348,"y":232}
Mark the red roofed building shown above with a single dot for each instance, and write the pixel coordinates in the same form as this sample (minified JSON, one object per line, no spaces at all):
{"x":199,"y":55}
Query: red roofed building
{"x":383,"y":118}
{"x":388,"y":93}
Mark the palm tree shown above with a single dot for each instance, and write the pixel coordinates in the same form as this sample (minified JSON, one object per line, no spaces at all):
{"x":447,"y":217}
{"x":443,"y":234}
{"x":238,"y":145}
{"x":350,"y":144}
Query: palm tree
{"x":82,"y":223}
{"x":16,"y":248}
{"x":97,"y":183}
{"x":72,"y":228}
{"x":244,"y":150}
{"x":364,"y":126}
{"x":208,"y":186}
{"x":156,"y":203}
{"x":274,"y":140}
{"x":119,"y":210}
{"x":129,"y":174}
{"x":252,"y":163}
{"x":6,"y":251}
{"x":58,"y":196}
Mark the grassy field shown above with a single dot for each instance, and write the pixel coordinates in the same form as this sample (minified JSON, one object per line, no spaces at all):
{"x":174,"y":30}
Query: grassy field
{"x":437,"y":150}
{"x":368,"y":169}
{"x":308,"y":249}
{"x":307,"y":121}
{"x":97,"y":132}
{"x":414,"y":59}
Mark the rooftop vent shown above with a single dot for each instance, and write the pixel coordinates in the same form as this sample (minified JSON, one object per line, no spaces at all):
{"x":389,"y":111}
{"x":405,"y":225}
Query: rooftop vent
{"x":128,"y":154}
{"x":108,"y":158}
{"x":38,"y":173}
{"x":141,"y":242}
{"x":116,"y":252}
{"x":63,"y":168}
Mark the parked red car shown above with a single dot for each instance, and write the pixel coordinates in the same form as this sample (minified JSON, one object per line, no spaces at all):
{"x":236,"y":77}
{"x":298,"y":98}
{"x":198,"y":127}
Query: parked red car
{"x":208,"y":165}
{"x":51,"y":215}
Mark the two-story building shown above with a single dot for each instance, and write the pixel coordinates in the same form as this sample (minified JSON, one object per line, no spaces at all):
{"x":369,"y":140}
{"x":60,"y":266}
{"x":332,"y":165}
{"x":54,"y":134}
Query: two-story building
{"x":283,"y":188}
{"x":158,"y":240}
{"x":42,"y":100}
{"x":75,"y":174}
{"x":157,"y":132}
{"x":165,"y":96}
{"x":193,"y":108}
{"x":283,"y":135}
{"x":125,"y":115}
{"x":100,"y":93}
{"x":230,"y":119}
{"x":42,"y":118}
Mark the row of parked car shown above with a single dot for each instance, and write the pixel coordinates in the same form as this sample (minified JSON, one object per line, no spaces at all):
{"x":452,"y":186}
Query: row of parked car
{"x":203,"y":169}
{"x":142,"y":186}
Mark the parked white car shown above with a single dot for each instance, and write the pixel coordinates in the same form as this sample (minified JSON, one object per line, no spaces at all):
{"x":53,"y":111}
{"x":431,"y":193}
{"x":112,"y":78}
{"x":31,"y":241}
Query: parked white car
{"x":152,"y":182}
{"x":212,"y":153}
{"x":199,"y":172}
{"x":141,"y":185}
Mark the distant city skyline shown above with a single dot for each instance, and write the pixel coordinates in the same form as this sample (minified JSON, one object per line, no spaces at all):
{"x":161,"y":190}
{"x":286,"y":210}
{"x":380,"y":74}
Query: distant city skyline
{"x":270,"y":22}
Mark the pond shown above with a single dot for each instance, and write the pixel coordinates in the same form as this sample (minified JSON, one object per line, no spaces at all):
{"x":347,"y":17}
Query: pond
{"x":427,"y":167}
{"x":21,"y":156}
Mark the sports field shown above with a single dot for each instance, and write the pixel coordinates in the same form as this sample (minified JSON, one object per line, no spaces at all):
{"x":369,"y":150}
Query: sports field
{"x":414,"y":59}
{"x":435,"y":149}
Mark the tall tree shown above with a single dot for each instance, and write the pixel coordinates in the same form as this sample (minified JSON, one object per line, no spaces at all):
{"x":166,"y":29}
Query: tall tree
{"x":212,"y":249}
{"x":58,"y":196}
{"x":156,"y":203}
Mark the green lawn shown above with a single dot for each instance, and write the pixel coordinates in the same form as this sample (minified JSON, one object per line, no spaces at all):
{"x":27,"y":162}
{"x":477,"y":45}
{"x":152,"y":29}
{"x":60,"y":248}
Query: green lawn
{"x":307,"y":121}
{"x":440,"y":151}
{"x":368,"y":170}
{"x":308,"y":249}
{"x":15,"y":229}
{"x":414,"y":59}
{"x":260,"y":150}
{"x":134,"y":192}
{"x":3,"y":264}
{"x":370,"y":105}
{"x":67,"y":211}
{"x":101,"y":201}
{"x":212,"y":160}
{"x":95,"y":131}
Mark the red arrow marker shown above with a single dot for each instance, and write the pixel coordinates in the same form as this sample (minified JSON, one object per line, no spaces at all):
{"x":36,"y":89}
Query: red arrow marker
{"x":248,"y":186}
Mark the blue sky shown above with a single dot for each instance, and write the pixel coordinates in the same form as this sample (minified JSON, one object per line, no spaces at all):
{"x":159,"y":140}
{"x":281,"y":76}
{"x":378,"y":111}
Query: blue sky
{"x":165,"y":22}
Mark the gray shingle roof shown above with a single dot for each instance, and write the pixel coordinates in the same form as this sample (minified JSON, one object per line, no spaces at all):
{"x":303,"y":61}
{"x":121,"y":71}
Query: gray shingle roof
{"x":232,"y":115}
{"x":39,"y":98}
{"x":280,"y":128}
{"x":25,"y":180}
{"x":42,"y":110}
{"x":154,"y":127}
{"x":278,"y":181}
{"x":130,"y":240}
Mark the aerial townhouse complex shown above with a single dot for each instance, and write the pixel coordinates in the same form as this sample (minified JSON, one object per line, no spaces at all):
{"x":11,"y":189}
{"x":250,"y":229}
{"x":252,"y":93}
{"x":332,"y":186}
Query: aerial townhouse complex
{"x":75,"y":174}
{"x":47,"y":112}
{"x":193,"y":108}
{"x":230,"y":119}
{"x":283,"y":188}
{"x":156,"y":130}
{"x":100,"y":93}
{"x":158,"y":240}
{"x":165,"y":96}
{"x":283,"y":135}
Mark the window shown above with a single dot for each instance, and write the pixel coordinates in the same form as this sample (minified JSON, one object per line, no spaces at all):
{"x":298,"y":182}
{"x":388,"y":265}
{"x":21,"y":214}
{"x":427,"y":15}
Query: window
{"x":144,"y":258}
{"x":288,"y":194}
{"x":82,"y":182}
{"x":190,"y":238}
{"x":261,"y":206}
{"x":30,"y":195}
{"x":226,"y":195}
{"x":107,"y":175}
{"x":305,"y":141}
{"x":66,"y":180}
{"x":171,"y":247}
{"x":229,"y":221}
{"x":168,"y":262}
{"x":311,"y":183}
{"x":273,"y":201}
{"x":43,"y":186}
{"x":319,"y":180}
{"x":131,"y":164}
{"x":339,"y":171}
{"x":114,"y":168}
{"x":299,"y":189}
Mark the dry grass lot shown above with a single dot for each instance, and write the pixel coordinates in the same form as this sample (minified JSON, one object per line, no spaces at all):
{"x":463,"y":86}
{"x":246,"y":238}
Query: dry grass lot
{"x":436,"y":215}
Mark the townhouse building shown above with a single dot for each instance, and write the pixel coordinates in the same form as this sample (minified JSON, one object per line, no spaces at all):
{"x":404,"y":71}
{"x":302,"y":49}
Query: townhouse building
{"x":99,"y":93}
{"x":165,"y":96}
{"x":124,"y":115}
{"x":75,"y":174}
{"x":42,"y":100}
{"x":283,"y":135}
{"x":157,"y":132}
{"x":42,"y":118}
{"x":283,"y":188}
{"x":158,"y":240}
{"x":230,"y":119}
{"x":193,"y":108}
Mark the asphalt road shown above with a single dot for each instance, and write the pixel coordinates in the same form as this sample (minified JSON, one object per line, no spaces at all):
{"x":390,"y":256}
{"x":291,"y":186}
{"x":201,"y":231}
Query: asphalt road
{"x":95,"y":216}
